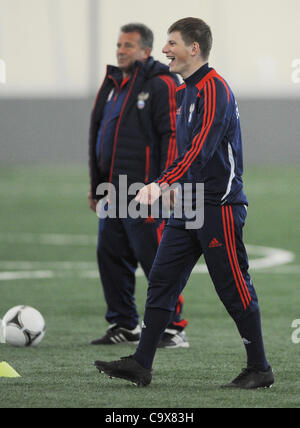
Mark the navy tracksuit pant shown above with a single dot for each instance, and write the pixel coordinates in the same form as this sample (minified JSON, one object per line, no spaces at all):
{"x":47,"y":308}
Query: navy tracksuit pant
{"x":122,"y":244}
{"x":220,"y":241}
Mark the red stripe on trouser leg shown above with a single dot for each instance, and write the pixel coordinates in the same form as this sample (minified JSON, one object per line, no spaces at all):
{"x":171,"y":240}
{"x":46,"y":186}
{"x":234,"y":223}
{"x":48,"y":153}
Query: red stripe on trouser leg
{"x":230,"y":259}
{"x":182,"y":324}
{"x":242,"y":280}
{"x":159,"y":231}
{"x":179,"y":304}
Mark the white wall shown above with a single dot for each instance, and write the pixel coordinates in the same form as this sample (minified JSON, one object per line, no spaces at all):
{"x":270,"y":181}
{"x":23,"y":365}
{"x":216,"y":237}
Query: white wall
{"x":46,"y":44}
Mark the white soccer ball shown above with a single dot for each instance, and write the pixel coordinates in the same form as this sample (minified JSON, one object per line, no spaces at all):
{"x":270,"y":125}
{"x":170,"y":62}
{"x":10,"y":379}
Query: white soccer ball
{"x":23,"y":326}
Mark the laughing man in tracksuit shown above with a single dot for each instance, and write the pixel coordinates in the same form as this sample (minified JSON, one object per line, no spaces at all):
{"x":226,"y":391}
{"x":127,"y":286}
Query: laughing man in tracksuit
{"x":132,"y":134}
{"x":210,"y":152}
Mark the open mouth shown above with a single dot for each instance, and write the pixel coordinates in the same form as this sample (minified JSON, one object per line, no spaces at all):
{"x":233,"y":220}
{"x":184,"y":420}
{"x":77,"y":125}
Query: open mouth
{"x":172,"y":59}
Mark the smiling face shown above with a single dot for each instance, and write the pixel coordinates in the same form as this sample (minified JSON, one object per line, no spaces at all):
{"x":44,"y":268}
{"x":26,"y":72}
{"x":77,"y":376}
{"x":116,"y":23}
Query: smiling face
{"x":130,"y":50}
{"x":185,"y":60}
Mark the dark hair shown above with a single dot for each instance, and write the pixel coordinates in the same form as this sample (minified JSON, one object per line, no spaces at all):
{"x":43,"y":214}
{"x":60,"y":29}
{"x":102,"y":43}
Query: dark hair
{"x":145,"y":33}
{"x":194,"y":30}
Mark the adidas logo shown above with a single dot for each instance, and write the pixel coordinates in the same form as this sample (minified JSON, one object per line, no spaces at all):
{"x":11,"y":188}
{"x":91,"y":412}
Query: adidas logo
{"x":214,"y":243}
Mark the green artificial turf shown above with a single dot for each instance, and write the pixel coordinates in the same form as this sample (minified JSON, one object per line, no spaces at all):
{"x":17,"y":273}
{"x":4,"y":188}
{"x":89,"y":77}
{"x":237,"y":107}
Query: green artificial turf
{"x":40,"y":202}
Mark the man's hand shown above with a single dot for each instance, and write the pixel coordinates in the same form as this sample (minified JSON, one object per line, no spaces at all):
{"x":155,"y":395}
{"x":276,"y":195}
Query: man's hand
{"x":148,"y":194}
{"x":92,"y":202}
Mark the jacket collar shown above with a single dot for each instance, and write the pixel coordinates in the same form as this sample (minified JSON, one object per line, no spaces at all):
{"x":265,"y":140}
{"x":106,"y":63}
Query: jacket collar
{"x":116,"y":72}
{"x":149,"y":68}
{"x":198,"y":75}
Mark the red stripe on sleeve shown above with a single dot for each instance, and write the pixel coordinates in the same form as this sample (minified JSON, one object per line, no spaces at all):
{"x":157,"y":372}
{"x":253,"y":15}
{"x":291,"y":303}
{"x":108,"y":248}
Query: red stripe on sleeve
{"x":172,"y":103}
{"x":177,"y":168}
{"x":209,"y":113}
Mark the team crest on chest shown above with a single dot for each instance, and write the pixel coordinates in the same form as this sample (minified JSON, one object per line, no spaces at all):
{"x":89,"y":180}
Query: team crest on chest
{"x":142,"y":98}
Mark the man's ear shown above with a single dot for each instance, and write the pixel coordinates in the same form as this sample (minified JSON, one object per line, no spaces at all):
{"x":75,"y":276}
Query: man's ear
{"x":147,"y":53}
{"x":196,"y":49}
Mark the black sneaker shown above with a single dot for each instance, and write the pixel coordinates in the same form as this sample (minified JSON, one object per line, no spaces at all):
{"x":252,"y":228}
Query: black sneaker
{"x":116,"y":334}
{"x":173,"y":339}
{"x":126,"y":368}
{"x":251,"y":378}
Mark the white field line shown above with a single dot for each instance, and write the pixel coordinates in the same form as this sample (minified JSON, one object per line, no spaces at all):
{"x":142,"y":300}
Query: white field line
{"x":93,"y":274}
{"x":285,"y":269}
{"x":7,"y":276}
{"x":269,"y":259}
{"x":48,"y":239}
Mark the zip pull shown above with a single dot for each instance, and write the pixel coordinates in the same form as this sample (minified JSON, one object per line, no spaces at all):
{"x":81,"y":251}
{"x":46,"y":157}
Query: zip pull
{"x":147,"y":168}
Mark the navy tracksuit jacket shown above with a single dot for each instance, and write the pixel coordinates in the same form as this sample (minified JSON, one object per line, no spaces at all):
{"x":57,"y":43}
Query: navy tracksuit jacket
{"x":143,"y":141}
{"x":209,"y":151}
{"x":132,"y":133}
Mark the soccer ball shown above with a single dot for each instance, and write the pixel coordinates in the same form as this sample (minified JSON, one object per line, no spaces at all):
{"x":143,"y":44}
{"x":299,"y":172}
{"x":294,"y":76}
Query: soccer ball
{"x":23,"y":326}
